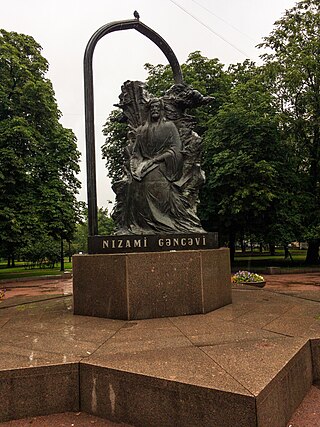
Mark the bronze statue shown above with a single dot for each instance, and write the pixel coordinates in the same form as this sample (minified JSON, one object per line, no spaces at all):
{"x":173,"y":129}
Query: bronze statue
{"x":159,"y":189}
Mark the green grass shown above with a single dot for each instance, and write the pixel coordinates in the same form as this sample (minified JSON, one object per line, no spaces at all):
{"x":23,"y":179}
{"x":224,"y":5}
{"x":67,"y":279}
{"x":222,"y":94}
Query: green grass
{"x":257,"y":260}
{"x":20,"y":270}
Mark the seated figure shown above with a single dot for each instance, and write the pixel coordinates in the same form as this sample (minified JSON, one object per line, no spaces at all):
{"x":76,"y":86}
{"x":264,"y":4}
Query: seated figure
{"x":161,"y":180}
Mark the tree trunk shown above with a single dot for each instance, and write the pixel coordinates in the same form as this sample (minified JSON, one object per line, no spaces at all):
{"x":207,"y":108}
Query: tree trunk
{"x":287,"y":253}
{"x":69,"y":251}
{"x":10,"y":261}
{"x":272,"y":249}
{"x":261,"y":248}
{"x":242,"y":243}
{"x":232,"y":245}
{"x":61,"y":256}
{"x":313,"y":252}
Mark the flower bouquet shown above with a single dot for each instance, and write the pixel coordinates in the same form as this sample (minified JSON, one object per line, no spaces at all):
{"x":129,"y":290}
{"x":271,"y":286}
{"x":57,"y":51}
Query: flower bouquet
{"x":247,"y":278}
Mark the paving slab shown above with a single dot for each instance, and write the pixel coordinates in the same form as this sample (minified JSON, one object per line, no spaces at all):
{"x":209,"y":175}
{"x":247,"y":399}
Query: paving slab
{"x":209,"y":330}
{"x":301,"y":326}
{"x":308,"y":413}
{"x":16,"y":357}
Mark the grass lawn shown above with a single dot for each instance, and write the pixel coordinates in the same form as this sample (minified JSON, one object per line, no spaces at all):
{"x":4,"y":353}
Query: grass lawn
{"x":257,"y":260}
{"x":22,"y":271}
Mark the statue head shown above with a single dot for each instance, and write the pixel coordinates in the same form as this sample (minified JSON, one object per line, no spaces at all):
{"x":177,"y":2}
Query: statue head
{"x":156,"y":110}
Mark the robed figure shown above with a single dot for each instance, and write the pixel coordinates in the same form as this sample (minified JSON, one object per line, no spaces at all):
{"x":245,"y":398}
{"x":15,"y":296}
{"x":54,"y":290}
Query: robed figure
{"x":154,"y":195}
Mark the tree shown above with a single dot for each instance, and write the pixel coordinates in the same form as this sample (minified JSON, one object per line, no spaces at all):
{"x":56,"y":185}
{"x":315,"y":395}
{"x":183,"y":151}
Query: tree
{"x":80,"y":239}
{"x":245,"y":161}
{"x":294,"y":65}
{"x":43,"y":253}
{"x":115,"y":131}
{"x":203,"y":74}
{"x":249,"y":159}
{"x":38,"y":157}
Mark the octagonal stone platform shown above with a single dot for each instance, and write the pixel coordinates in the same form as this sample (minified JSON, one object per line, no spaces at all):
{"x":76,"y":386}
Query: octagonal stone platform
{"x":247,"y":364}
{"x":148,"y":285}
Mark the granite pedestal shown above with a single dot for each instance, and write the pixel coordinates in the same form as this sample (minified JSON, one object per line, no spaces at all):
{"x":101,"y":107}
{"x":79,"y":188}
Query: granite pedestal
{"x":151,"y":284}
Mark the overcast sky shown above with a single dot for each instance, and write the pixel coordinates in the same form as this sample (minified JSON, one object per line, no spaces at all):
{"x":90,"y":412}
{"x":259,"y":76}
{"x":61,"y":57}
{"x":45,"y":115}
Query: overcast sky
{"x":228,"y":30}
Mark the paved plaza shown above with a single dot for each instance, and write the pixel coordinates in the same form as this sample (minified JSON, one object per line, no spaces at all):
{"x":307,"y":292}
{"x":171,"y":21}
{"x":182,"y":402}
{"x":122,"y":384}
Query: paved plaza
{"x":232,"y":366}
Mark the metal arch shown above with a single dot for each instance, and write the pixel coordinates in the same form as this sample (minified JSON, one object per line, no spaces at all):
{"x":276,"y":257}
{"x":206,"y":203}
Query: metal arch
{"x":89,"y":101}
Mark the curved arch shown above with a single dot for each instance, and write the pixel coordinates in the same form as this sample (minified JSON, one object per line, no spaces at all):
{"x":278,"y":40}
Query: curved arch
{"x":89,"y":101}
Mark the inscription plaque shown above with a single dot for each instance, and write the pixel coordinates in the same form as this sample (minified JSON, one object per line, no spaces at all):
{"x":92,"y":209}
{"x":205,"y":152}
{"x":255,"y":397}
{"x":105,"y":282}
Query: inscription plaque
{"x":152,"y":243}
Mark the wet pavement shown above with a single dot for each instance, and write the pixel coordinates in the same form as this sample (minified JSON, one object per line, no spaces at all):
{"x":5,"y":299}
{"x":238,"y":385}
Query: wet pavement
{"x":22,"y":292}
{"x":294,"y":312}
{"x":308,"y":413}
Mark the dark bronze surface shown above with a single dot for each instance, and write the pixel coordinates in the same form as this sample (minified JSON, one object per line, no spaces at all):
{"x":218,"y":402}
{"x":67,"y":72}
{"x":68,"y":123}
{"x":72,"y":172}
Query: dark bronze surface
{"x":158,"y":190}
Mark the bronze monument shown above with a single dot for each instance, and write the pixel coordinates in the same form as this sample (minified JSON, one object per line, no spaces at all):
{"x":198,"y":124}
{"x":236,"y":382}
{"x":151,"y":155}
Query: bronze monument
{"x":160,"y":262}
{"x":158,"y":192}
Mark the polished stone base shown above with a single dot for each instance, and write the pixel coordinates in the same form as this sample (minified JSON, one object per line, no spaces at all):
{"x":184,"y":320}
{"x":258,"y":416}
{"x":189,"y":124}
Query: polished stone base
{"x":151,"y":284}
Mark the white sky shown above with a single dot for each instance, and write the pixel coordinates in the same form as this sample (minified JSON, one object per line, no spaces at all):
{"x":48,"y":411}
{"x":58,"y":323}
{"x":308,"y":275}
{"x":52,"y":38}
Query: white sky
{"x":63,"y":28}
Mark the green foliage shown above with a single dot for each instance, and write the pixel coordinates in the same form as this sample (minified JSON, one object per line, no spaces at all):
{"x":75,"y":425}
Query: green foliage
{"x":105,"y":222}
{"x":79,"y":242}
{"x":160,"y":78}
{"x":203,"y":74}
{"x":261,"y":135}
{"x":294,"y":67}
{"x":38,"y":157}
{"x":115,"y":131}
{"x":80,"y":239}
{"x":244,"y":155}
{"x":42,"y":253}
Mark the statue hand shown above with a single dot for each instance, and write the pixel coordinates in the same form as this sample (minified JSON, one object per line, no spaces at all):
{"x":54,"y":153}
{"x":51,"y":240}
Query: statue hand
{"x":147,"y":165}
